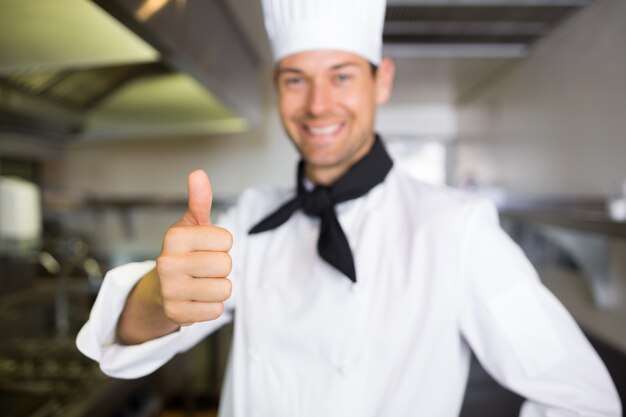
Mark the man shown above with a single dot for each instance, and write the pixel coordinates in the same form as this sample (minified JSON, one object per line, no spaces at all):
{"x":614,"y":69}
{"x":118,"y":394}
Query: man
{"x":361,"y":292}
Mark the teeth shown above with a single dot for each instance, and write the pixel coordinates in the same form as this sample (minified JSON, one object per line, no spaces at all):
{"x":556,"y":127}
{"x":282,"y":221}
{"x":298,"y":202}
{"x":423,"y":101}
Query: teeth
{"x":327,"y":130}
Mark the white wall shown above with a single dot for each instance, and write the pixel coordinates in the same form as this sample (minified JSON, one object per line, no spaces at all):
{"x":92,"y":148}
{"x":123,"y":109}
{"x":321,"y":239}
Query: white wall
{"x":556,"y":122}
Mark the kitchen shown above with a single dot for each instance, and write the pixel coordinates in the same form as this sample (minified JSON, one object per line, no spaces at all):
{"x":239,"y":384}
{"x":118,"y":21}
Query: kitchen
{"x":106,"y":107}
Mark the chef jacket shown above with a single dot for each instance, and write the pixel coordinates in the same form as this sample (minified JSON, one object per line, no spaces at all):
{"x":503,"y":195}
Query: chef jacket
{"x":437,"y":277}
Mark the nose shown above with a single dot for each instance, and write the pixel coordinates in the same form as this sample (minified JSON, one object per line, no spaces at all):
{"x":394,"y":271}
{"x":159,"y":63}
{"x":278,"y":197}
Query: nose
{"x":320,"y":99}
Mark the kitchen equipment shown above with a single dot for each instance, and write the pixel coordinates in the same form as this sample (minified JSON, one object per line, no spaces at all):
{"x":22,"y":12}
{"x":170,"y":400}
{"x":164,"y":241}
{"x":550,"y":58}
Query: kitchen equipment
{"x":20,"y":232}
{"x":20,"y":210}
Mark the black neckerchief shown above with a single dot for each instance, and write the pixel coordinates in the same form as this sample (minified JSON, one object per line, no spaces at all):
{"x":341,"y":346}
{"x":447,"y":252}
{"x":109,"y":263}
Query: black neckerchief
{"x":332,"y":244}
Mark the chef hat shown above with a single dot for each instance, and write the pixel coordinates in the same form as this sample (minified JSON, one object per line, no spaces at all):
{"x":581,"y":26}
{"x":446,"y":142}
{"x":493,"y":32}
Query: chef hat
{"x":348,"y":25}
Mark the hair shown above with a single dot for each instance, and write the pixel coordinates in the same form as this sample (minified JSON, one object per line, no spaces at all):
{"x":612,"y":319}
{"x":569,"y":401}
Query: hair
{"x":374,"y":69}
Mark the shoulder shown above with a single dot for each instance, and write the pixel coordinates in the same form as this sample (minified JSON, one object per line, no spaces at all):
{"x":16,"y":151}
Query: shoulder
{"x":438,"y":202}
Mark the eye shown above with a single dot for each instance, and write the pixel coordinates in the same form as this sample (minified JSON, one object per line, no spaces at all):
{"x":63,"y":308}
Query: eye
{"x":293,"y":82}
{"x":342,"y":78}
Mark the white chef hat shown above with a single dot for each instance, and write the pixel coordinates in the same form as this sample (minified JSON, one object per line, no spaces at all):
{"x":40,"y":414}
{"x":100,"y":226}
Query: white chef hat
{"x":302,"y":25}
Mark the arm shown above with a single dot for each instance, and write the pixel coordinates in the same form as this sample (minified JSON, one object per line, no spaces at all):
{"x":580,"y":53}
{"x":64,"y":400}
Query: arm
{"x":189,"y":283}
{"x":143,"y":317}
{"x":144,"y":314}
{"x":520,"y":332}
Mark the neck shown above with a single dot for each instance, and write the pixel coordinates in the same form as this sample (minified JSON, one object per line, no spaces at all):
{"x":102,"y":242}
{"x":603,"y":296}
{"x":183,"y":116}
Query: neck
{"x":324,"y":175}
{"x":327,"y":175}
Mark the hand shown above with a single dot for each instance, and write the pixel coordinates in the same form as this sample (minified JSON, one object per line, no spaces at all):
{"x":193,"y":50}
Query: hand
{"x":194,"y":260}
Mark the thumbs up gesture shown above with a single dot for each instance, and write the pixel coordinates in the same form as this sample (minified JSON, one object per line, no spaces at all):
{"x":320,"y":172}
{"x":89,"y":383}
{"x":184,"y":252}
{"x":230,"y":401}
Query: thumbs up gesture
{"x":194,"y":260}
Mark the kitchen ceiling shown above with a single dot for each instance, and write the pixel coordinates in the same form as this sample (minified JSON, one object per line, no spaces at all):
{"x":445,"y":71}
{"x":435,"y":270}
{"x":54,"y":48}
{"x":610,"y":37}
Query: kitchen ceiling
{"x":70,"y":70}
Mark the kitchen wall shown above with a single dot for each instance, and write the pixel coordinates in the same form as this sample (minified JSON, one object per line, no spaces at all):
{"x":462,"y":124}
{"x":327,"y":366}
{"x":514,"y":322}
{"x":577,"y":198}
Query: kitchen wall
{"x":554,"y":123}
{"x":159,"y":167}
{"x":260,"y":156}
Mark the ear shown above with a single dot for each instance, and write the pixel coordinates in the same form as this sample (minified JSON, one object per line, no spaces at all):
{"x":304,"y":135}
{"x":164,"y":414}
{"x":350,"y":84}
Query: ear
{"x":384,"y":80}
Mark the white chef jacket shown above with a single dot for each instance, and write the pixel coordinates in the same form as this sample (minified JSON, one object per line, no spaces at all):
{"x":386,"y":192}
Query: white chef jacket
{"x":436,"y":276}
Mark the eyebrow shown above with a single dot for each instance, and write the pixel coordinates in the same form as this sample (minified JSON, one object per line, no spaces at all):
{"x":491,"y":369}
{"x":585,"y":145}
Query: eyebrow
{"x":280,"y":71}
{"x":345,"y":64}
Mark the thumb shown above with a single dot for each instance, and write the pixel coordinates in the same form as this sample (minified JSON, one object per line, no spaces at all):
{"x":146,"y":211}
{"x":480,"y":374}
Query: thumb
{"x":200,"y":198}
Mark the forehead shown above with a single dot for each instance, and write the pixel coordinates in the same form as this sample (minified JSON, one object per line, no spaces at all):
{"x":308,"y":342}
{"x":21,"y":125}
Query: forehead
{"x":320,"y":60}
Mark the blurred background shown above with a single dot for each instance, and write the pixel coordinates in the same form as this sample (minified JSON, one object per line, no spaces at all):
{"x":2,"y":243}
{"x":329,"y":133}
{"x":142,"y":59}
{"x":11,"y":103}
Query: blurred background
{"x":105,"y":106}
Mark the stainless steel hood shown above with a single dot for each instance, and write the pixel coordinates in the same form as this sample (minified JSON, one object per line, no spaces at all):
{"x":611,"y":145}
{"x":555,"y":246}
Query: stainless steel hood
{"x":471,"y":28}
{"x":70,"y":70}
{"x":200,"y":38}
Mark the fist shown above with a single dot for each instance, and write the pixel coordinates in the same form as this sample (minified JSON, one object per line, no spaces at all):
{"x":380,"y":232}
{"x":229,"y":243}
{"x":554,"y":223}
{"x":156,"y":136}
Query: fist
{"x":194,"y":262}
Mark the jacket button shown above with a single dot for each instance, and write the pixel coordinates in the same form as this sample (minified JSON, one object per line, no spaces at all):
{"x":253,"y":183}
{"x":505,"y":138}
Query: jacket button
{"x":343,"y":369}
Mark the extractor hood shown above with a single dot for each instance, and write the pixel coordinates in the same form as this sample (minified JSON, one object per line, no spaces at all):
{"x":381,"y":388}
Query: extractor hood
{"x":69,"y":70}
{"x":471,"y":28}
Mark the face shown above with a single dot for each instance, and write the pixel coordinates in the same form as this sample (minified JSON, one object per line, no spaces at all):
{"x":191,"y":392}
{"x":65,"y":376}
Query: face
{"x":327,"y":103}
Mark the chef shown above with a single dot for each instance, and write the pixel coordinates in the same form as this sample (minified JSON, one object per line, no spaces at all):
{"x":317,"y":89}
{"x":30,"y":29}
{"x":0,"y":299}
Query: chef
{"x":361,"y":291}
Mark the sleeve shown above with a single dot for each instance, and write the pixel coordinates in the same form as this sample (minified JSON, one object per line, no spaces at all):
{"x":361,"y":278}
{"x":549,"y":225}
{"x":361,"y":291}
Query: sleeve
{"x":97,"y":340}
{"x":521,"y":333}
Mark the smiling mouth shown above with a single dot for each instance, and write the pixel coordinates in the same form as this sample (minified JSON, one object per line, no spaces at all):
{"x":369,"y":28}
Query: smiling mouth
{"x":323,"y":130}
